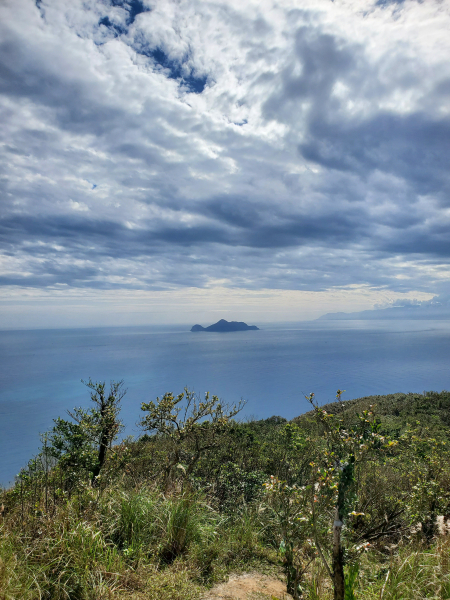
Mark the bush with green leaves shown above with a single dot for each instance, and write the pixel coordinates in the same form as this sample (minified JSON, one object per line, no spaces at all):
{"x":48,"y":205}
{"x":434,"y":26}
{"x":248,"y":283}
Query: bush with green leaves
{"x":190,"y":426}
{"x":314,"y":513}
{"x":81,"y":445}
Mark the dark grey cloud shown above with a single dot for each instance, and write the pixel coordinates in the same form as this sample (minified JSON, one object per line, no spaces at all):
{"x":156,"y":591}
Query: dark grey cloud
{"x":388,"y":2}
{"x":319,"y":59}
{"x":149,"y":145}
{"x":415,"y":147}
{"x":111,"y":238}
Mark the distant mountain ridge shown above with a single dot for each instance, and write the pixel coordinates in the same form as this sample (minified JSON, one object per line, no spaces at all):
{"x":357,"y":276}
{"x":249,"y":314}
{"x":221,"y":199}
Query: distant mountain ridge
{"x":425,"y":310}
{"x":223,"y":326}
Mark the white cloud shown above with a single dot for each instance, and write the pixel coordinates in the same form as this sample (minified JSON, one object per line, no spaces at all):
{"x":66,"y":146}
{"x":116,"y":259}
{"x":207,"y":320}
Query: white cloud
{"x":313,"y":156}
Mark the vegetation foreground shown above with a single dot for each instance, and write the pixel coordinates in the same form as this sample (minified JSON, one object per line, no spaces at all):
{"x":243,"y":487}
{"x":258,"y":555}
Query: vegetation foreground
{"x":349,"y":501}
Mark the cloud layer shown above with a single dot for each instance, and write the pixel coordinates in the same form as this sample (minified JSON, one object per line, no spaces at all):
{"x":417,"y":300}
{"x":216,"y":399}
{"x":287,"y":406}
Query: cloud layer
{"x":159,"y":144}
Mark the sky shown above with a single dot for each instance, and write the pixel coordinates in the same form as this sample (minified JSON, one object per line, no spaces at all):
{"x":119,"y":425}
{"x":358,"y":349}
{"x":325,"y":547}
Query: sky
{"x":173,"y":161}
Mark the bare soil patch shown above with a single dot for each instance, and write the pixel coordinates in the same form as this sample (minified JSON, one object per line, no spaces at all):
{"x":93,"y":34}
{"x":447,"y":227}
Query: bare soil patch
{"x":249,"y":586}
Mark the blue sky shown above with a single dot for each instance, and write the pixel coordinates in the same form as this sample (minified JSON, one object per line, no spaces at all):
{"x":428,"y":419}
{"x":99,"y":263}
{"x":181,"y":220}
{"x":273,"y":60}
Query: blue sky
{"x":164,"y":161}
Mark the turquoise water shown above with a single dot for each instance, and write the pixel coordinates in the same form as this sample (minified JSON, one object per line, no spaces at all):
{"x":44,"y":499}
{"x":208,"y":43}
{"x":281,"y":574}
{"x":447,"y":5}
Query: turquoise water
{"x":272,"y":369}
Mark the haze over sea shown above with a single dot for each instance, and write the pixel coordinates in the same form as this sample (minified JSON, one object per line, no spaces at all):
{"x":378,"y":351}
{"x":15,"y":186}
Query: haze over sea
{"x":271,"y":369}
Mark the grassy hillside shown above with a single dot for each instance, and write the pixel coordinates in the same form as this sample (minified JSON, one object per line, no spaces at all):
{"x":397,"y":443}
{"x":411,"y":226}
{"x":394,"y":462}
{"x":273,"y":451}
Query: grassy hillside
{"x":192,"y":501}
{"x":396,"y":411}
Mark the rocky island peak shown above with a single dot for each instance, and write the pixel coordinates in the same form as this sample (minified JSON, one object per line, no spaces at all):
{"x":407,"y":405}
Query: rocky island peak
{"x":224,"y":326}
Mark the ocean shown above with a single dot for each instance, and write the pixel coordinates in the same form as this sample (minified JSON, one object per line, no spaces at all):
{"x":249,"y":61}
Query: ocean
{"x":272,"y":369}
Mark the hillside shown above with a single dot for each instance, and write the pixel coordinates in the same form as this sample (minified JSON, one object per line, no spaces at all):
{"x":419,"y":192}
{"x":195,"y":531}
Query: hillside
{"x":201,"y":496}
{"x":431,"y":409}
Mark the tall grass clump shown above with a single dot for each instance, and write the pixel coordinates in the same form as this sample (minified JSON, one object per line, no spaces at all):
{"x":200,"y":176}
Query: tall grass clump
{"x":131,"y":521}
{"x":420,"y":574}
{"x":410,"y":572}
{"x":185,"y":521}
{"x":147,"y":523}
{"x":59,"y":558}
{"x":15,"y":581}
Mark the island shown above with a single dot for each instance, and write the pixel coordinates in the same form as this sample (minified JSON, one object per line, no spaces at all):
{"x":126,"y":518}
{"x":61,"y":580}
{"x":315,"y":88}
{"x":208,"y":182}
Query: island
{"x":223,"y":326}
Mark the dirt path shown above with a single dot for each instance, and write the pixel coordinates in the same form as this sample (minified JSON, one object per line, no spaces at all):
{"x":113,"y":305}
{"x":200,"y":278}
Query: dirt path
{"x":250,"y":586}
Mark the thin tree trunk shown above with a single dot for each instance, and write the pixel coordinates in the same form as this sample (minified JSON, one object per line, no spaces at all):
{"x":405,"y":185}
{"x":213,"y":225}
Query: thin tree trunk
{"x":21,"y":495}
{"x":46,"y":476}
{"x":290,"y":570}
{"x":103,"y":446}
{"x":101,"y":458}
{"x":338,"y":559}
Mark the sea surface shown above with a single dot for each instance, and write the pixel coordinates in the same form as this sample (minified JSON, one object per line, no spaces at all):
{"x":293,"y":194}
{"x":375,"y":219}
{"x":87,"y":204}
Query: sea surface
{"x":272,"y":369}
